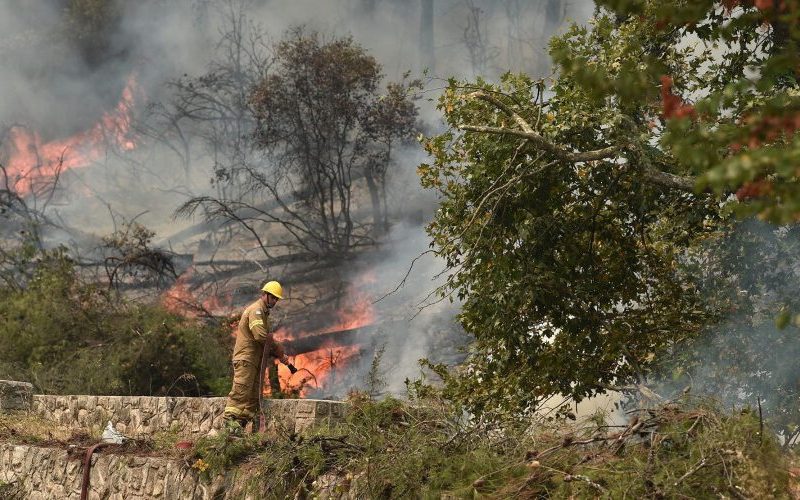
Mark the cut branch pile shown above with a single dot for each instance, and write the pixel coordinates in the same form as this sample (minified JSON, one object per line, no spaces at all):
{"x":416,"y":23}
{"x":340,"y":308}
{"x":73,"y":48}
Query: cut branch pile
{"x":673,"y":451}
{"x":677,"y":450}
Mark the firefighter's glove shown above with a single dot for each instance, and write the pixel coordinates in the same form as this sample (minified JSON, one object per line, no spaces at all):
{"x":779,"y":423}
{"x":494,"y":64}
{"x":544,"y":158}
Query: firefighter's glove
{"x":292,"y":369}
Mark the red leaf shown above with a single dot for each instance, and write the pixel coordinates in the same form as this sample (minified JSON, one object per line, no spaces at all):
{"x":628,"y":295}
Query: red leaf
{"x":674,"y":106}
{"x":763,"y":5}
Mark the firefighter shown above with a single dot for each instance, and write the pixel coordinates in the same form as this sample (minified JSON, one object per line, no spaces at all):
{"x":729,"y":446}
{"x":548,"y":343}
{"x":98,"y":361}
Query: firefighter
{"x":253,"y":341}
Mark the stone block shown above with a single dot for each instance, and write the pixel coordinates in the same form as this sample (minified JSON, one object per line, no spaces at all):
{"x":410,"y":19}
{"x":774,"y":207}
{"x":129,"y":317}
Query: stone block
{"x":300,"y":415}
{"x":15,"y":396}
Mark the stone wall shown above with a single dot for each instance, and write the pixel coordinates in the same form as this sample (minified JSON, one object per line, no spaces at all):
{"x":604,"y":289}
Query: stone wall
{"x":137,"y":416}
{"x":298,"y":415}
{"x":15,"y":395}
{"x":133,"y":415}
{"x":37,"y":473}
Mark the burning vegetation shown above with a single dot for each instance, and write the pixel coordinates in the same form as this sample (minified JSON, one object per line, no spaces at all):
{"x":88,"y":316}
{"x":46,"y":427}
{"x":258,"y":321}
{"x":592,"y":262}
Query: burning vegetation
{"x":323,"y":352}
{"x":593,"y":230}
{"x":271,"y":210}
{"x":321,"y":361}
{"x":32,"y":165}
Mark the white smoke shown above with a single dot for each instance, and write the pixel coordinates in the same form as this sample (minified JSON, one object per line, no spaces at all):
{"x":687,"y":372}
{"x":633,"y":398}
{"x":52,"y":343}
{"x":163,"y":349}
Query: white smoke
{"x":54,"y":83}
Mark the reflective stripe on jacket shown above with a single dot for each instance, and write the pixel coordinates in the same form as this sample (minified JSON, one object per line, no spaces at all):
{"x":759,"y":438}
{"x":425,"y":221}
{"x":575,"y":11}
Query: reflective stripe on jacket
{"x":252,"y":332}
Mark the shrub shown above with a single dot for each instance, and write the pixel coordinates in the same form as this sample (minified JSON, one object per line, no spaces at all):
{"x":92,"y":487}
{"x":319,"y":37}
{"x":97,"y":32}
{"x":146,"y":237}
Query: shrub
{"x":67,"y":336}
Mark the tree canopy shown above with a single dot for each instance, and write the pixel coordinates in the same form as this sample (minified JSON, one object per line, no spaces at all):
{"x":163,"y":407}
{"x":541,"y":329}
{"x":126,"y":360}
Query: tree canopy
{"x":317,"y":126}
{"x":579,"y":214}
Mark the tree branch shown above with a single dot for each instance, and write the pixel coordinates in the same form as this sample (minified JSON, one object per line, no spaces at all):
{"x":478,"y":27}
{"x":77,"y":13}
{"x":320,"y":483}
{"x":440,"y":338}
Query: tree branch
{"x":538,"y":140}
{"x":484,"y":96}
{"x":650,"y":174}
{"x":668,"y":180}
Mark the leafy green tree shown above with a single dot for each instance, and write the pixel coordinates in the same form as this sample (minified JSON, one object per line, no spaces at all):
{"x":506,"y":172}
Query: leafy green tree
{"x":577,"y":215}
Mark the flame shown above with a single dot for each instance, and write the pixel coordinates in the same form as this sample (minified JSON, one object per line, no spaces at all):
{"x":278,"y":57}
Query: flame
{"x":320,"y":368}
{"x":218,"y":305}
{"x":32,"y":163}
{"x":356,"y":314}
{"x":316,"y":369}
{"x":179,"y":299}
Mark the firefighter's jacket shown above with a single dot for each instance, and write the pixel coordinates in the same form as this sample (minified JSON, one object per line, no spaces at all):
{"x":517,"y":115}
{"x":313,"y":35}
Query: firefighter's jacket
{"x":253,"y":332}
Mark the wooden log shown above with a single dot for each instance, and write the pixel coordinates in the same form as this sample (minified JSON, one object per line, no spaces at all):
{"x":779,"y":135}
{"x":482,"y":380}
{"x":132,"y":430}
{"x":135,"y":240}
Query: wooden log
{"x":311,"y":343}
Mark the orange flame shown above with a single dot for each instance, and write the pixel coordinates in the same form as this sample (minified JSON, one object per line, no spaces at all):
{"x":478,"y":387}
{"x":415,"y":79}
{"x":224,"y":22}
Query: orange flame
{"x":32,"y":163}
{"x":316,"y":369}
{"x":320,"y":368}
{"x":218,"y":305}
{"x":179,"y":299}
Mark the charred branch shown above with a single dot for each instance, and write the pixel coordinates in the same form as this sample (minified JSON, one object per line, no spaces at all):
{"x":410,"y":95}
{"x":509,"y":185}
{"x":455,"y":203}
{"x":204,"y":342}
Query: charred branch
{"x":130,"y":256}
{"x":311,"y":343}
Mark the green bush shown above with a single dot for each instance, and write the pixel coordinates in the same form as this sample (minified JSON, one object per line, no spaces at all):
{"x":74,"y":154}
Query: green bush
{"x":69,"y":337}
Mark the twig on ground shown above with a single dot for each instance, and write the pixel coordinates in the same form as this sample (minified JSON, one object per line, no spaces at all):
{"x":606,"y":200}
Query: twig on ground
{"x":702,"y":463}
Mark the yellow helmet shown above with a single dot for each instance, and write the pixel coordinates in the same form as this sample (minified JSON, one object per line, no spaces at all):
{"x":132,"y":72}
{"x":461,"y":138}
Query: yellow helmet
{"x":273,"y":288}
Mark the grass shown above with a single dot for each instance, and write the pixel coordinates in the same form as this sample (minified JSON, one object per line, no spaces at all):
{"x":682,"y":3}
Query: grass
{"x":25,"y":428}
{"x":393,"y":449}
{"x":389,"y":449}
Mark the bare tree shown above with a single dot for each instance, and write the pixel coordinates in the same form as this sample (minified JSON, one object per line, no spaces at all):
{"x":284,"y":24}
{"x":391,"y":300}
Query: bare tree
{"x":130,"y":257}
{"x":214,"y":107}
{"x":323,"y":128}
{"x":390,"y":121}
{"x":22,"y":218}
{"x":476,"y":39}
{"x":555,"y":12}
{"x":509,"y":34}
{"x":426,"y":47}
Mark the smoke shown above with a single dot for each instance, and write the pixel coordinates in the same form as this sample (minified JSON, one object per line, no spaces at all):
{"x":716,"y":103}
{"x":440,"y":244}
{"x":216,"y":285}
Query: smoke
{"x":63,"y":71}
{"x":56,"y":81}
{"x":749,"y":358}
{"x":411,"y":321}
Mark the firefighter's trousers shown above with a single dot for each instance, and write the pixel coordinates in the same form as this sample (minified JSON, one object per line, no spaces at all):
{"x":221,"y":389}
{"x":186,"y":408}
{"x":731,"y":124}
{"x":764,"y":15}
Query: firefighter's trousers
{"x":242,"y":402}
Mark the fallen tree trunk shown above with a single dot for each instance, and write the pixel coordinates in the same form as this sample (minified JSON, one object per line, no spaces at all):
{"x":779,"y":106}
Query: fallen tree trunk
{"x":311,"y":343}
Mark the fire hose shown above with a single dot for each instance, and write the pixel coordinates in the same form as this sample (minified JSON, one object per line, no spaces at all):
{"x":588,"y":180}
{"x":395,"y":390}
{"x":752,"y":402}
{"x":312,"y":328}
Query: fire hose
{"x":87,"y":468}
{"x":262,"y":422}
{"x":265,"y":358}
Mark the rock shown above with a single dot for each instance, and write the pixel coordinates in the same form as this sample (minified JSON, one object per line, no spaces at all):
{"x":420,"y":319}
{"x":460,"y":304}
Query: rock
{"x":15,"y":396}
